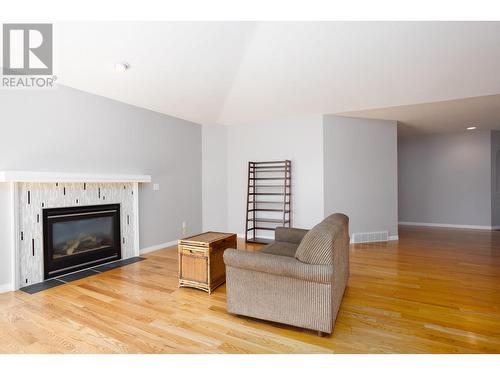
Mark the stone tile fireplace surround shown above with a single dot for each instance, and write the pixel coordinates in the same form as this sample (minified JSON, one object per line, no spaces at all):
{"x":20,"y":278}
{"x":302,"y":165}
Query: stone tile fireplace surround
{"x":34,"y":192}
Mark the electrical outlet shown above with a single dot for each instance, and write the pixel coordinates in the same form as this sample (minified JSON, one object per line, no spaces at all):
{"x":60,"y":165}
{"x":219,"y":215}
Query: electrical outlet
{"x":156,"y":187}
{"x":184,"y":228}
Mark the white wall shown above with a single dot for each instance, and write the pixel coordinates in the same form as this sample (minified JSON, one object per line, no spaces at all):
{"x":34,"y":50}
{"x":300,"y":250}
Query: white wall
{"x":298,"y":139}
{"x":446,"y":179}
{"x":361,"y":172}
{"x":69,"y":130}
{"x":215,"y":183}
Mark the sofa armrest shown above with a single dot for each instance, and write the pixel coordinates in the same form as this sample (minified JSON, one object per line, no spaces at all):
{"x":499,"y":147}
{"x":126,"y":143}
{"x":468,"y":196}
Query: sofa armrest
{"x":292,"y":235}
{"x":278,"y":265}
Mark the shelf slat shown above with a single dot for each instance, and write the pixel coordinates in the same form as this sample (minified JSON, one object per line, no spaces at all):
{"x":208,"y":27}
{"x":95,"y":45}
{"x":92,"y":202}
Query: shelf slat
{"x":269,"y":194}
{"x":268,"y":170}
{"x":262,"y":228}
{"x":271,"y":202}
{"x":265,"y":220}
{"x":270,"y":162}
{"x":268,"y":178}
{"x":269,"y":210}
{"x":268,"y":186}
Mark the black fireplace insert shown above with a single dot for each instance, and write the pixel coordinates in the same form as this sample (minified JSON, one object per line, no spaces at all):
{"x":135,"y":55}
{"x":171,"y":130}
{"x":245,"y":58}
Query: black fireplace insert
{"x":80,"y":237}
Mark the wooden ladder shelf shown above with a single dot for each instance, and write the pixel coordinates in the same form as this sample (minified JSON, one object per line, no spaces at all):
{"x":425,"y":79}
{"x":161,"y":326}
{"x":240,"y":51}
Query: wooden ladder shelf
{"x":265,"y":210}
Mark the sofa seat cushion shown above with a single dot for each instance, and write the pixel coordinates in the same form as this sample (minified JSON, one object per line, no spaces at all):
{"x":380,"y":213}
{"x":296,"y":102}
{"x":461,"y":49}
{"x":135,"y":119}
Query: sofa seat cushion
{"x":286,"y":249}
{"x":277,"y":265}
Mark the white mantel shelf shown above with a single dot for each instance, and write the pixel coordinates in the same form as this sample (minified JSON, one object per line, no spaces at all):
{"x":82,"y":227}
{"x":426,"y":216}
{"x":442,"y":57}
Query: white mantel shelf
{"x":28,"y":176}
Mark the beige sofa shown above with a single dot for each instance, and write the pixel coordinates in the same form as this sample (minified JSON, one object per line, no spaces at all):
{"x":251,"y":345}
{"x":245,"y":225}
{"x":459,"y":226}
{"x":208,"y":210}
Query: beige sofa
{"x":299,"y":279}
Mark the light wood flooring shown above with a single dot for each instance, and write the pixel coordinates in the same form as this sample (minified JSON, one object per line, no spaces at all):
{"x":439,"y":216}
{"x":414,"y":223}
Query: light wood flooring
{"x":434,"y":291}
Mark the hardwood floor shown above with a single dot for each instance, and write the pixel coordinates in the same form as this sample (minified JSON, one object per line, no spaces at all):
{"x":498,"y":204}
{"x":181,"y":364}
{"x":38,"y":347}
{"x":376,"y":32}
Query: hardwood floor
{"x":434,"y":291}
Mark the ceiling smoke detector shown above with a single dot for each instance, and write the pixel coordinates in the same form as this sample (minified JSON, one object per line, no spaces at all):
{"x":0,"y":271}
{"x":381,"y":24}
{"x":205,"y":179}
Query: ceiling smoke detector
{"x":122,"y":67}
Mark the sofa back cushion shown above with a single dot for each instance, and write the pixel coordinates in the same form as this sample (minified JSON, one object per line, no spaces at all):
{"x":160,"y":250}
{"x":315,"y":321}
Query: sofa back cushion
{"x":318,"y":245}
{"x":340,"y":219}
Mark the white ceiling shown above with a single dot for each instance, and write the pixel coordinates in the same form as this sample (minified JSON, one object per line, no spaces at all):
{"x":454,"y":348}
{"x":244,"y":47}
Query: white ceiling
{"x":183,"y":69}
{"x":440,"y":117}
{"x":243,"y":72}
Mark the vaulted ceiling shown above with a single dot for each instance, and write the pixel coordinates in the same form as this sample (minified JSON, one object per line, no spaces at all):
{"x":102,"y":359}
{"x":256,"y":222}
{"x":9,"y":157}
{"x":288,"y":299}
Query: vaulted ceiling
{"x":242,"y":72}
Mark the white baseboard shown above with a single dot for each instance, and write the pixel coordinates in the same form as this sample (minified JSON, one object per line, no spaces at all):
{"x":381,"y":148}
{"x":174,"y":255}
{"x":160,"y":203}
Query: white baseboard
{"x":6,"y":288}
{"x":457,"y":226}
{"x":391,"y":238}
{"x":157,"y":247}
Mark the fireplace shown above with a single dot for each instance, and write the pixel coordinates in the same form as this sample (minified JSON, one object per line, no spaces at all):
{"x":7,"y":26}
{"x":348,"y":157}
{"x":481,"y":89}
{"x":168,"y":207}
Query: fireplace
{"x":80,"y":237}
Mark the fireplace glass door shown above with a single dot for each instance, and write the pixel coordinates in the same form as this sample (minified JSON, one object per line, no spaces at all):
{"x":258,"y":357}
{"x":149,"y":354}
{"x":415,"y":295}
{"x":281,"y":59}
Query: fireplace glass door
{"x":80,"y":237}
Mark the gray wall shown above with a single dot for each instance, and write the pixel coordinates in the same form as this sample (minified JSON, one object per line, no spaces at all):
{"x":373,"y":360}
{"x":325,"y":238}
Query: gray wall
{"x":445,"y":178}
{"x":495,"y":178}
{"x":360,"y":172}
{"x":72,"y":131}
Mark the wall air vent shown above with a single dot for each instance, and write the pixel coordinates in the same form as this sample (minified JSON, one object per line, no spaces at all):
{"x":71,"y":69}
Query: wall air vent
{"x":370,"y":237}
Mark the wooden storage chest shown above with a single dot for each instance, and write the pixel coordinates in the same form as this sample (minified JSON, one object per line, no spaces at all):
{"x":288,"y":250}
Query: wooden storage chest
{"x":201,"y":262}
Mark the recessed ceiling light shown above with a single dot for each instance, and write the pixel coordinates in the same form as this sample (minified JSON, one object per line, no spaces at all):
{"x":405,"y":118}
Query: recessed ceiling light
{"x":122,"y":67}
{"x":472,"y":128}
